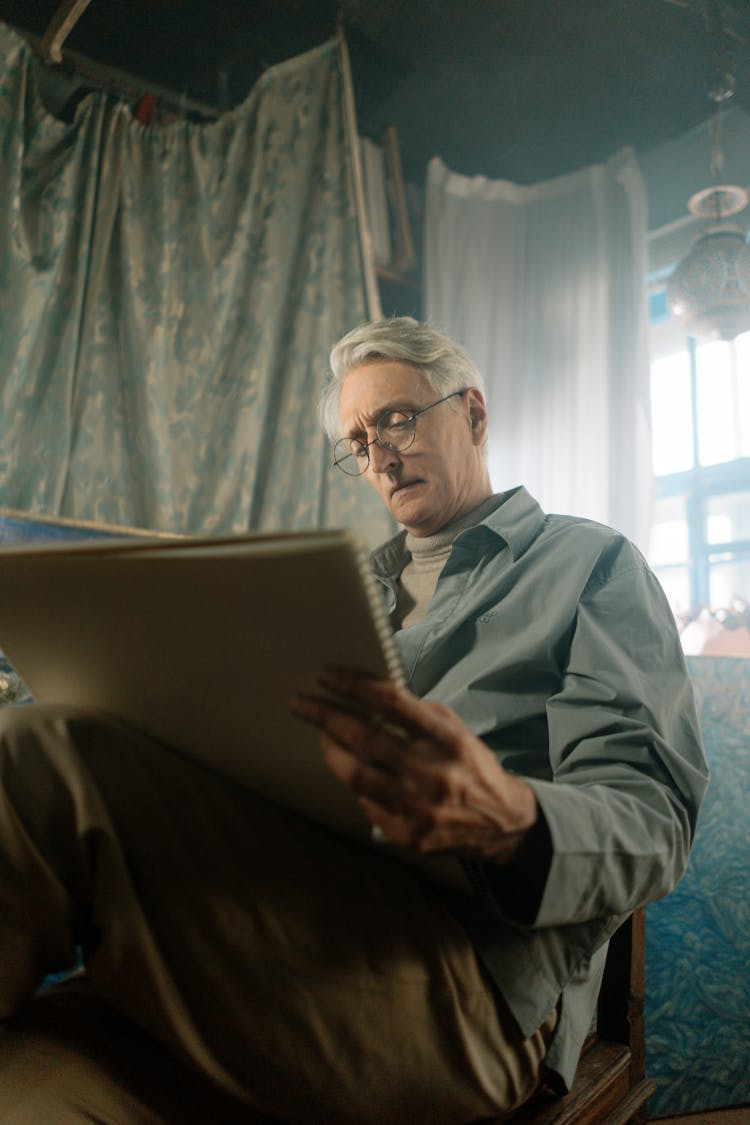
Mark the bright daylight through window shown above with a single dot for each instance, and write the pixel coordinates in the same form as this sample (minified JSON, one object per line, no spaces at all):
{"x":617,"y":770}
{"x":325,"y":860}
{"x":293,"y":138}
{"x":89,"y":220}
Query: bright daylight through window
{"x":700,"y":537}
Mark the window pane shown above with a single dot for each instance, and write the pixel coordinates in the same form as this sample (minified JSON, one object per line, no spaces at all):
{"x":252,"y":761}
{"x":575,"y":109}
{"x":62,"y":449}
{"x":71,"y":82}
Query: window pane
{"x":742,"y":355}
{"x":675,"y":581}
{"x":728,"y":517}
{"x":671,"y":414}
{"x":716,"y":437}
{"x":668,"y":542}
{"x":729,"y":582}
{"x":723,"y":400}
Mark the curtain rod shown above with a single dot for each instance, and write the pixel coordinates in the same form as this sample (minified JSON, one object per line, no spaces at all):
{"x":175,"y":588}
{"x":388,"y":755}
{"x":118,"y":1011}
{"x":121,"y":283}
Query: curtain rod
{"x":119,"y":82}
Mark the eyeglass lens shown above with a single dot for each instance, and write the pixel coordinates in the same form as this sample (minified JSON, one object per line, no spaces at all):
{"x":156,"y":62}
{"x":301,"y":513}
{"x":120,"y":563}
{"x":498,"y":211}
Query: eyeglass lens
{"x":395,"y":430}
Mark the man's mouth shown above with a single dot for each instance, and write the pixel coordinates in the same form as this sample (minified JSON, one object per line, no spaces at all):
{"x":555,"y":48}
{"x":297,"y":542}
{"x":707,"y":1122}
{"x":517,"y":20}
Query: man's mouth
{"x":405,"y":484}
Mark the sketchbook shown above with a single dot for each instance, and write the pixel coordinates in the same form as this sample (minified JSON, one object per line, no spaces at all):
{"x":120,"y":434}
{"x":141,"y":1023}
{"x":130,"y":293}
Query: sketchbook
{"x":200,"y":643}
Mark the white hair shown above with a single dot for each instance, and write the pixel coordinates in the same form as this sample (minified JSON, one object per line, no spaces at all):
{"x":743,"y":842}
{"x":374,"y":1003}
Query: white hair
{"x":444,"y":363}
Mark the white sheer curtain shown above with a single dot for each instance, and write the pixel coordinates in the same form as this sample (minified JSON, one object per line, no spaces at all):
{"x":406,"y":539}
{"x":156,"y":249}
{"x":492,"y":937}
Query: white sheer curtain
{"x":545,"y":286}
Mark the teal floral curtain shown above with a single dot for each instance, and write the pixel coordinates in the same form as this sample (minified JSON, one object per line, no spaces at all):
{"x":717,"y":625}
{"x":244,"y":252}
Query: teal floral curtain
{"x":168,"y":298}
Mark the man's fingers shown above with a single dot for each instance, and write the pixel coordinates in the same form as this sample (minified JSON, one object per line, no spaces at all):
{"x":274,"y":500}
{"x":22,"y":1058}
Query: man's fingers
{"x":406,"y":830}
{"x":366,"y":780}
{"x":371,"y":739}
{"x":417,"y":716}
{"x":420,"y":775}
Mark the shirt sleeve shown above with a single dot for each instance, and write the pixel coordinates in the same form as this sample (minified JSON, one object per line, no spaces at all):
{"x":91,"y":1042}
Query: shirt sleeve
{"x":627,"y":763}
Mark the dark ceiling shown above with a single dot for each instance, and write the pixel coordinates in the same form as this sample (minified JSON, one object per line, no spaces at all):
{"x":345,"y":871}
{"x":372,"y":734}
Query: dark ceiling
{"x":516,"y":89}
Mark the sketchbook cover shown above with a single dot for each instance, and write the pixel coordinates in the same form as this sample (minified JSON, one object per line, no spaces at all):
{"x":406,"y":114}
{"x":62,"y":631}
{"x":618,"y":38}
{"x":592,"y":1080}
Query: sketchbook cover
{"x":201,"y":644}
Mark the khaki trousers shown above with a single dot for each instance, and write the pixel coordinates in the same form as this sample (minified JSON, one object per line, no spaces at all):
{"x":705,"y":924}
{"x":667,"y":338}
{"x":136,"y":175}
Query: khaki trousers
{"x":241,"y":963}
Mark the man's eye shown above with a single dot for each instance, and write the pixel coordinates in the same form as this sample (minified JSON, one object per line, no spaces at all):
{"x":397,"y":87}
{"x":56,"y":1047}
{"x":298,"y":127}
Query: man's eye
{"x":395,"y":421}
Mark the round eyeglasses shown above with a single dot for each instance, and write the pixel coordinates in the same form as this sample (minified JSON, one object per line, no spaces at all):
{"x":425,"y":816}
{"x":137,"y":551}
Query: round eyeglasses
{"x":394,"y":430}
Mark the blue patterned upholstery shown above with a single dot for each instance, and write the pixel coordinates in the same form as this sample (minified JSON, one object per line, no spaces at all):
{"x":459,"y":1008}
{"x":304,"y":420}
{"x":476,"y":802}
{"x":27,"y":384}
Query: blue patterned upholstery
{"x":697,"y":1009}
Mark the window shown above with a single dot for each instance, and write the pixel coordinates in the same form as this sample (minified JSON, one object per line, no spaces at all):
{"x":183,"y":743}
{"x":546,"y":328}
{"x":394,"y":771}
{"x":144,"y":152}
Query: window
{"x":700,"y":400}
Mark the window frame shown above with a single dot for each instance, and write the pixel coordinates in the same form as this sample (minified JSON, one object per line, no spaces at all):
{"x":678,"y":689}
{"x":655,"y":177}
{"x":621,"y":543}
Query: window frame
{"x":696,"y":486}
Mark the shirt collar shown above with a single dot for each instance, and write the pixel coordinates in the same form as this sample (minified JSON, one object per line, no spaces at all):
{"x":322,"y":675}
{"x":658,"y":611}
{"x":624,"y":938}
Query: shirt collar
{"x":517,"y":521}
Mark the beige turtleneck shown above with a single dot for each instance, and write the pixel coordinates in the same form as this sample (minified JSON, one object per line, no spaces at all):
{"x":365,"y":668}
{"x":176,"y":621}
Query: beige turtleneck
{"x":429,"y":554}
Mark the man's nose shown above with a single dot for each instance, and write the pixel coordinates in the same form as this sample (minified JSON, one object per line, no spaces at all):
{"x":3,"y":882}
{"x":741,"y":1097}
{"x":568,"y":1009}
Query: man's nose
{"x":382,"y":460}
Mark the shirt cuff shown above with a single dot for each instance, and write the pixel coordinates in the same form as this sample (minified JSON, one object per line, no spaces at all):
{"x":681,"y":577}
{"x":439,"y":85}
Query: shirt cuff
{"x":516,"y":888}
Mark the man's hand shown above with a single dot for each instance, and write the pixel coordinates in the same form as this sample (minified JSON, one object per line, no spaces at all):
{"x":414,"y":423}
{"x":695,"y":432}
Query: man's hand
{"x":418,"y":772}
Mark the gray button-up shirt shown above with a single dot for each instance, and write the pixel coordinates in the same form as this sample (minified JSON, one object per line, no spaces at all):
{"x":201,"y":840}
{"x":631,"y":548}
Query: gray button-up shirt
{"x":552,"y":639}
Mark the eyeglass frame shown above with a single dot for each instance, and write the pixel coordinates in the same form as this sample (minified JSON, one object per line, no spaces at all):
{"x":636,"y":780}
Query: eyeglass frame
{"x":409,"y":418}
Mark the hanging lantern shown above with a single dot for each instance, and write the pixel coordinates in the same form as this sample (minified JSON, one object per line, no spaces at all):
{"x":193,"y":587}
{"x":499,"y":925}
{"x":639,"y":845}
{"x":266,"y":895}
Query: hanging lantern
{"x":709,"y":291}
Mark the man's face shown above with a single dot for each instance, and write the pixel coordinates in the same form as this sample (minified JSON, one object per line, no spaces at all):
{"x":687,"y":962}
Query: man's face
{"x":442,"y":474}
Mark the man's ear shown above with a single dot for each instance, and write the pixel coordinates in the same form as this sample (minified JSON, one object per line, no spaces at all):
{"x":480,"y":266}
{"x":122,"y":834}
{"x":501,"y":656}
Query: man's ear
{"x":477,"y":415}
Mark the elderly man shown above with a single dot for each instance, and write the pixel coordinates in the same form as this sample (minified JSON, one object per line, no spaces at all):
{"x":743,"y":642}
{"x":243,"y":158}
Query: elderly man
{"x":242,"y":964}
